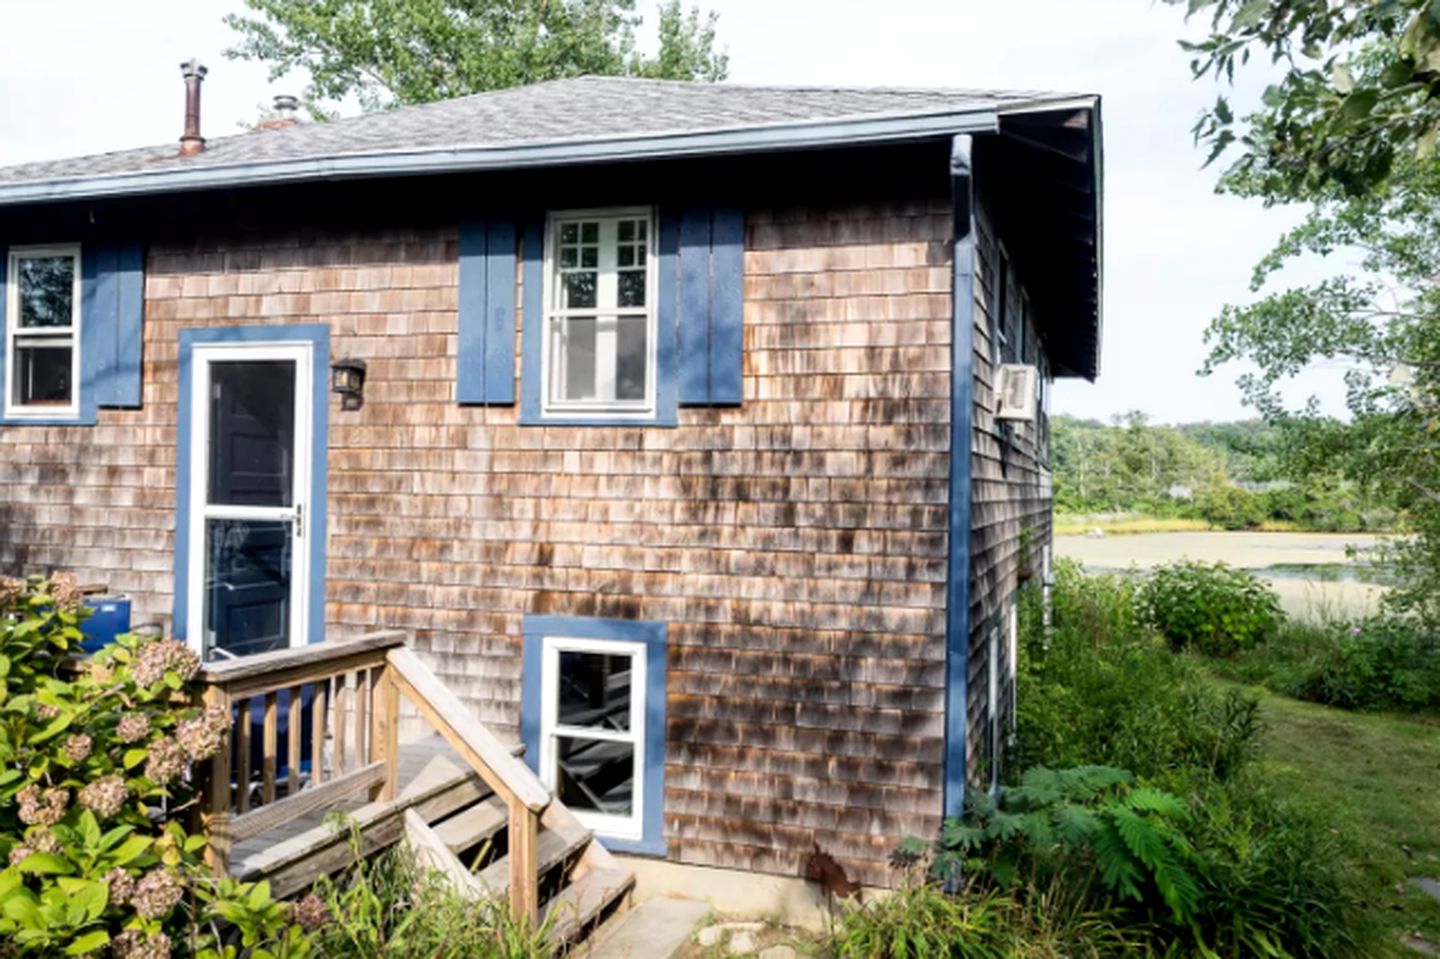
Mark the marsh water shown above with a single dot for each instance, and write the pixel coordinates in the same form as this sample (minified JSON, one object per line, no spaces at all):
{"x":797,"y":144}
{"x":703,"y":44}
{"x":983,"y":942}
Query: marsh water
{"x":1321,"y":575}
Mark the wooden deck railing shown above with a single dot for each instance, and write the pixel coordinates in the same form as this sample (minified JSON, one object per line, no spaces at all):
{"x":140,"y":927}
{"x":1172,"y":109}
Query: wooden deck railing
{"x":316,"y":725}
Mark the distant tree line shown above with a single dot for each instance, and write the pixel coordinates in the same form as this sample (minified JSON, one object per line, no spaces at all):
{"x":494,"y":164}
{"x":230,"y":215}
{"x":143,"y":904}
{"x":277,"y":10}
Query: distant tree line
{"x":1235,"y":475}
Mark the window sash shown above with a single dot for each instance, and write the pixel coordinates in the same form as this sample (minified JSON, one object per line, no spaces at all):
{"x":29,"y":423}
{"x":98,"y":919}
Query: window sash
{"x":607,"y":312}
{"x":552,"y":730}
{"x":19,"y":337}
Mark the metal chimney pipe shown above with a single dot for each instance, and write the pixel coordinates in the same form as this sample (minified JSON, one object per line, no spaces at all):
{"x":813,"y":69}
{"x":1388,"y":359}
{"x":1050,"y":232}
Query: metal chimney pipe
{"x":192,"y":142}
{"x":285,"y":107}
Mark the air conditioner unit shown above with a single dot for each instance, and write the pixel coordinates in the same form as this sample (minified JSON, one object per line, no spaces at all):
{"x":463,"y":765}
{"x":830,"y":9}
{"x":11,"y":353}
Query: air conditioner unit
{"x":1015,"y":392}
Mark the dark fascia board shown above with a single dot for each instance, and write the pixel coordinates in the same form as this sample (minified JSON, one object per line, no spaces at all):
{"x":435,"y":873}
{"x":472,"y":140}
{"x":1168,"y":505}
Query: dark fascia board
{"x":757,"y":139}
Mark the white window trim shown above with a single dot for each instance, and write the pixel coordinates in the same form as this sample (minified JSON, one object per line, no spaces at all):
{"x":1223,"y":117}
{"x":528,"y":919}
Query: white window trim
{"x":202,"y":357}
{"x":13,"y":330}
{"x":639,"y":410}
{"x":621,"y":827}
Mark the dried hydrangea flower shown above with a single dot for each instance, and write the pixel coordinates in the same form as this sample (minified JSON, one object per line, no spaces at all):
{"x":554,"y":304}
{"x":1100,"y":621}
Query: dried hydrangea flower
{"x":311,"y":913}
{"x":43,"y":840}
{"x":133,"y":727}
{"x":157,"y":892}
{"x":11,"y":589}
{"x":102,"y":673}
{"x":46,"y":712}
{"x":166,"y":762}
{"x":122,"y":886}
{"x":65,"y":592}
{"x":19,"y":854}
{"x":77,"y":747}
{"x":202,"y":736}
{"x":160,"y":656}
{"x":105,"y":796}
{"x":132,"y":944}
{"x":42,"y":808}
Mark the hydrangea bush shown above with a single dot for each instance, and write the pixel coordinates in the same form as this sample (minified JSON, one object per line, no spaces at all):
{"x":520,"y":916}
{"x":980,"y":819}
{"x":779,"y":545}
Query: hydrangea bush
{"x":1210,"y":608}
{"x":96,"y":785}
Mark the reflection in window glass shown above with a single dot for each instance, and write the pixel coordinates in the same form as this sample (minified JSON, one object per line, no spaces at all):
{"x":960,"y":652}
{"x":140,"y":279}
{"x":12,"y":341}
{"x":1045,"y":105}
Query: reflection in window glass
{"x":42,"y":325}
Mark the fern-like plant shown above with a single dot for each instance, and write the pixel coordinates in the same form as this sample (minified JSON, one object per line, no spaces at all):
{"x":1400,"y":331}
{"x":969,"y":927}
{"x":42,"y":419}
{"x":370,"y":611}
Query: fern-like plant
{"x":1134,"y":835}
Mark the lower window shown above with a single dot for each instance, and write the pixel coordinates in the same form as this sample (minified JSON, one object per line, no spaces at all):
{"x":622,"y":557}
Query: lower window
{"x":593,"y":721}
{"x":592,"y":732}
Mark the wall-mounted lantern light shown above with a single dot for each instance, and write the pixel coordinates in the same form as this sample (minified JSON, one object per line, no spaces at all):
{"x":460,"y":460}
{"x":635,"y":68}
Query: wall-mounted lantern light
{"x":347,"y":377}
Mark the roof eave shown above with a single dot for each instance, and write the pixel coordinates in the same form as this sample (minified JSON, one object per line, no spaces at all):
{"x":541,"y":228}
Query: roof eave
{"x":475,"y":159}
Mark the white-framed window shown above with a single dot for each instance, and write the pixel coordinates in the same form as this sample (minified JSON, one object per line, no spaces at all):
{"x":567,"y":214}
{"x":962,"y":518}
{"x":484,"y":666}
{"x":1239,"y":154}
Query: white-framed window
{"x":599,"y":353}
{"x":42,"y":332}
{"x":592,"y":731}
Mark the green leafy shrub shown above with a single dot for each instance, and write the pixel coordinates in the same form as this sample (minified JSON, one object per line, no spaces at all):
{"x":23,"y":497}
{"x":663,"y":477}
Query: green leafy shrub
{"x":388,"y":907}
{"x":1378,"y":664}
{"x":1210,"y":608}
{"x":1090,"y":816}
{"x":922,"y":922}
{"x":1230,"y":507}
{"x":1101,"y":689}
{"x":94,"y":774}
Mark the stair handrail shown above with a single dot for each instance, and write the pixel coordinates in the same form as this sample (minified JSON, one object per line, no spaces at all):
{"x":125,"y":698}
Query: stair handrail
{"x":524,"y":795}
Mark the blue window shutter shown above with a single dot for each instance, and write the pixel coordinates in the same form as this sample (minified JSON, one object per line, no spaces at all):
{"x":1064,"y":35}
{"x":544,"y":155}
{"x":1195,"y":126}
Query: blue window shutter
{"x":727,"y":292}
{"x":4,"y":299}
{"x":112,"y":304}
{"x":711,"y":277}
{"x":129,"y":325}
{"x":486,"y":372}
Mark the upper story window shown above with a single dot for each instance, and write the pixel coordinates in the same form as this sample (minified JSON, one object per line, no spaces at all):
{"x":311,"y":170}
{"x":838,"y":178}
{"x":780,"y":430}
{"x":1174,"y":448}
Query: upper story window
{"x":600,"y":337}
{"x":42,"y":335}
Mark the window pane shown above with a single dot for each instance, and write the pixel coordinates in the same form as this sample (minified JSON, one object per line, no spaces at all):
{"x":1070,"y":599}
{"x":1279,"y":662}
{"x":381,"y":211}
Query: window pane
{"x":590,"y":232}
{"x":252,"y":426}
{"x":626,"y":256}
{"x":578,"y":292}
{"x":577,"y":361}
{"x":632,"y":288}
{"x":568,"y":257}
{"x":626,"y":231}
{"x":596,"y":776}
{"x":631,"y":357}
{"x":247,"y":585}
{"x":43,"y":370}
{"x":594,"y":690}
{"x":569,"y":233}
{"x":47,"y":291}
{"x":589,"y":257}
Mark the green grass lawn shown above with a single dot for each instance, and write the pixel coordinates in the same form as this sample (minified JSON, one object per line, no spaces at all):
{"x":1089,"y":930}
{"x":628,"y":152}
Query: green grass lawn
{"x":1379,"y":775}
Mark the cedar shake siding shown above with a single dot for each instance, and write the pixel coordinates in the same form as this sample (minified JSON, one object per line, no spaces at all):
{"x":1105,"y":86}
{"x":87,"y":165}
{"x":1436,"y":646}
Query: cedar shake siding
{"x":795,"y":545}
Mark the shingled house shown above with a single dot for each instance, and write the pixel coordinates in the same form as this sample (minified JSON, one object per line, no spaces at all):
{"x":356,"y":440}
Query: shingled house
{"x":663,"y":418}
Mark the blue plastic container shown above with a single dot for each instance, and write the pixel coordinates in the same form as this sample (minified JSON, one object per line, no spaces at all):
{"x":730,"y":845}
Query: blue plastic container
{"x":109,"y":617}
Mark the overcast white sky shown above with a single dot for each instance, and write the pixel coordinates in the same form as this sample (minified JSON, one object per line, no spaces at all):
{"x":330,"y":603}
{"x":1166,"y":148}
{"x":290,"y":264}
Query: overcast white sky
{"x":86,"y":76}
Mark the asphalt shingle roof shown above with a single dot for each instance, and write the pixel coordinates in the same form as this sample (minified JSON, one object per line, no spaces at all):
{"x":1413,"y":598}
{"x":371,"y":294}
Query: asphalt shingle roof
{"x":561,"y":111}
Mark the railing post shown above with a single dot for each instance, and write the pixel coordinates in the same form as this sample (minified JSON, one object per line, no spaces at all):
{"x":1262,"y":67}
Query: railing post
{"x":215,"y":792}
{"x":524,"y":877}
{"x":387,"y":712}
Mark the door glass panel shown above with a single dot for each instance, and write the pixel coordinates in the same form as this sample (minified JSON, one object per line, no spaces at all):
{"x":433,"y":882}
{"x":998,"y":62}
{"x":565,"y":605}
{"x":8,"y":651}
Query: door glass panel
{"x":252,"y":433}
{"x":595,"y":775}
{"x":594,"y":690}
{"x":247,"y":585}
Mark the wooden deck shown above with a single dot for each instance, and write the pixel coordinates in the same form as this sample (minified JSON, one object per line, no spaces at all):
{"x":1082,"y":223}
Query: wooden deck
{"x":420,"y":772}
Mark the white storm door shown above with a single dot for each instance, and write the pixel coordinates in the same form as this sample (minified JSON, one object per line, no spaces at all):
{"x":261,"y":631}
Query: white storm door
{"x":250,"y":479}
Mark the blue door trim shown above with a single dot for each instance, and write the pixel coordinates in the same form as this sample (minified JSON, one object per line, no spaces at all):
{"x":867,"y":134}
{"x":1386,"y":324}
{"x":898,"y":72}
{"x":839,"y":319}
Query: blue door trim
{"x":318,"y":336}
{"x":962,"y":413}
{"x":654,"y":636}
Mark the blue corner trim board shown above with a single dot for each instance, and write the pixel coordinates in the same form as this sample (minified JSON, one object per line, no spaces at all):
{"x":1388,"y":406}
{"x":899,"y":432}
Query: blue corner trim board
{"x":318,"y":335}
{"x":654,"y":637}
{"x":727,"y":294}
{"x":532,"y":341}
{"x":962,"y":411}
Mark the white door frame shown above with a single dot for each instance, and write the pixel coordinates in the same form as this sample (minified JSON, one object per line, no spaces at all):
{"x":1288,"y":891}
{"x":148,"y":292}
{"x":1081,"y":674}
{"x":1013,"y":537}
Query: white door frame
{"x":203,"y":355}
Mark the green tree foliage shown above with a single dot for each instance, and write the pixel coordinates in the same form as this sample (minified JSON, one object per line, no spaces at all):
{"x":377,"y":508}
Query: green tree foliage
{"x":389,"y":53}
{"x":1378,"y":320}
{"x":1360,"y":89}
{"x":1127,"y":466}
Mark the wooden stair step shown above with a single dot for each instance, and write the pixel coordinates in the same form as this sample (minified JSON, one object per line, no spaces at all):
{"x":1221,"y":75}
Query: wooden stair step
{"x":552,"y":847}
{"x":471,"y":827}
{"x":578,"y":904}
